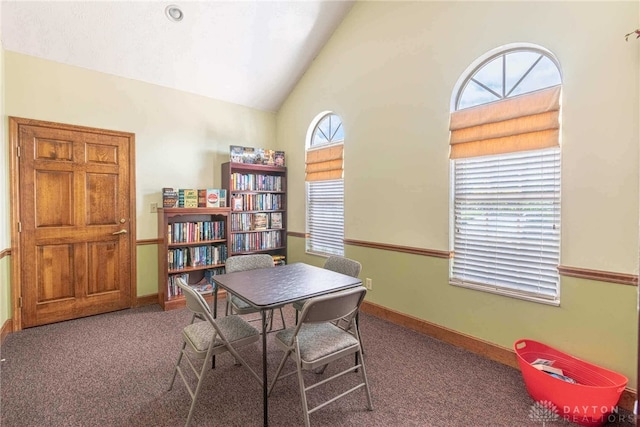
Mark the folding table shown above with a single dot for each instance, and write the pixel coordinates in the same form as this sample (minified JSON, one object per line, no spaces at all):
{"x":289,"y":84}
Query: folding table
{"x":272,"y":288}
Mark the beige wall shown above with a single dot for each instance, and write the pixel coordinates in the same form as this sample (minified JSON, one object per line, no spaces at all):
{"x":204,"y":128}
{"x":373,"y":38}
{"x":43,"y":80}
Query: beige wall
{"x":181,"y":139}
{"x":5,"y":211}
{"x":389,"y":71}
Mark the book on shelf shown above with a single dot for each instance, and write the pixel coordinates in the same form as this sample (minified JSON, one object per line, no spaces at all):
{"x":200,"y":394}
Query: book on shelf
{"x":190,"y":198}
{"x":258,"y":156}
{"x":236,"y":153}
{"x":173,"y":289}
{"x":268,"y":157}
{"x":169,"y":197}
{"x":203,"y":286}
{"x":213,"y":198}
{"x":237,"y":203}
{"x":189,"y":232}
{"x":202,"y":198}
{"x":249,"y":155}
{"x":207,"y":285}
{"x":260,"y":221}
{"x":216,"y":198}
{"x":276,"y":220}
{"x":256,"y":241}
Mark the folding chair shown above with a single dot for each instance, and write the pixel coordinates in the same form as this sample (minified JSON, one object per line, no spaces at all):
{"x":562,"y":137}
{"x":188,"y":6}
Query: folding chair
{"x":237,"y":305}
{"x":207,"y":337}
{"x":338,"y":264}
{"x":318,"y":339}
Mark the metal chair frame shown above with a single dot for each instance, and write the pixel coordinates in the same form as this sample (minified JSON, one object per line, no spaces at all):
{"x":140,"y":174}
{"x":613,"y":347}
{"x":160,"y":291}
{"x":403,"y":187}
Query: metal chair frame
{"x":233,"y":264}
{"x":225,"y":334}
{"x":333,"y":316}
{"x":339,"y":264}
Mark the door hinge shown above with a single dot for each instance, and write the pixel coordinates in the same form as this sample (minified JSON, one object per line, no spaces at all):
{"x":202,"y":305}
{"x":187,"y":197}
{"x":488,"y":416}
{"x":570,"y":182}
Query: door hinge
{"x":19,"y":227}
{"x":18,"y":151}
{"x":19,"y":302}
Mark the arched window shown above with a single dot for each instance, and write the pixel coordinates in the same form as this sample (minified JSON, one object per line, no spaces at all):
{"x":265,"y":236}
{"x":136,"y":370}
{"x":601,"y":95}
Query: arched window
{"x":505,"y":154}
{"x":325,"y":185}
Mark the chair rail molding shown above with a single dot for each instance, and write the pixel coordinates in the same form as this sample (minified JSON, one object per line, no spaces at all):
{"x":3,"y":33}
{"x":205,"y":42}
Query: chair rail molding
{"x":600,"y":276}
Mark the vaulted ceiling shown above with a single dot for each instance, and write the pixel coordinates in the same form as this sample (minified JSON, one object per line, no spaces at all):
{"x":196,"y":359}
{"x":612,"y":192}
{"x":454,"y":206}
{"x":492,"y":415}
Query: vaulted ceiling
{"x":249,"y":52}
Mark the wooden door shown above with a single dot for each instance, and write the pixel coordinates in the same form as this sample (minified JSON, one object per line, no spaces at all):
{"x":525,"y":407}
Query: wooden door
{"x":76,"y":221}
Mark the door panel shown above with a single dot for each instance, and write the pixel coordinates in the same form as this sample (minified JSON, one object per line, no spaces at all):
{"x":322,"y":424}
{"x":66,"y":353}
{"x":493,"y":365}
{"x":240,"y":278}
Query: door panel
{"x":104,"y":273}
{"x":77,"y":221}
{"x":49,"y":211}
{"x":102,"y":206}
{"x":55,"y":267}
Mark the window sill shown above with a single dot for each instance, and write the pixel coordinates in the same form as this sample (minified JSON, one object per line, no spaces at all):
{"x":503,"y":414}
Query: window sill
{"x":321,"y":254}
{"x":507,"y":293}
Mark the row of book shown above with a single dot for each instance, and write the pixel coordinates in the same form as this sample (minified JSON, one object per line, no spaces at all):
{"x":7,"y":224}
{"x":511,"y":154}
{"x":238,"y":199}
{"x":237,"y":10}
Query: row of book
{"x":192,"y":198}
{"x":256,"y":156}
{"x":255,"y":182}
{"x":257,"y":202}
{"x":196,"y":256}
{"x":243,"y":242}
{"x":189,"y":232}
{"x":256,"y":221}
{"x":204,"y":286}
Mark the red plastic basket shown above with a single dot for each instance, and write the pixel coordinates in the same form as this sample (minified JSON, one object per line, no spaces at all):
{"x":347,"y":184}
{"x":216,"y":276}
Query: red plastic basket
{"x":589,"y":402}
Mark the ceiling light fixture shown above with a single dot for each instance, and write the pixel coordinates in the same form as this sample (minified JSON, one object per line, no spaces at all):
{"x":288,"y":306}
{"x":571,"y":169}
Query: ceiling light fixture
{"x":174,"y":13}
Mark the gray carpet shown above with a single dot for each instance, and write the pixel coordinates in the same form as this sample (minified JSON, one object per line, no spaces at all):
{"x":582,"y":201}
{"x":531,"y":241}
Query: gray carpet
{"x":114,"y":369}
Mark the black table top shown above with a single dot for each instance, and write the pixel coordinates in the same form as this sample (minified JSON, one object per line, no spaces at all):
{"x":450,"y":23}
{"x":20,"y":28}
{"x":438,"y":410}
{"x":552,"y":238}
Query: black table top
{"x":278,"y":286}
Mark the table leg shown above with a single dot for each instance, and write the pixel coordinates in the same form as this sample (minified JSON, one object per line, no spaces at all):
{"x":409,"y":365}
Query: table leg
{"x":358,"y":326}
{"x":215,"y":315}
{"x":215,"y":301}
{"x":265,"y":404}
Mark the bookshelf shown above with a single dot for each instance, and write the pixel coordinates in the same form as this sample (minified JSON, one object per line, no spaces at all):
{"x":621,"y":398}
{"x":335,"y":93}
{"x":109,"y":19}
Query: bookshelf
{"x":258,"y":202}
{"x":193,"y":244}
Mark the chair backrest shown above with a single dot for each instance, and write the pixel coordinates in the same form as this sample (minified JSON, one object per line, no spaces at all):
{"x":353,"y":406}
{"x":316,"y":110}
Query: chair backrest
{"x":195,"y":302}
{"x":343,"y":265}
{"x":248,"y":262}
{"x":333,"y":306}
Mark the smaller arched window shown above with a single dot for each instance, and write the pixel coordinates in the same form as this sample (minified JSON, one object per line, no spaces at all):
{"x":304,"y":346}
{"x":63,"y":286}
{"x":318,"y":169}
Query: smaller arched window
{"x":324,"y":172}
{"x":505,"y":153}
{"x":329,"y":130}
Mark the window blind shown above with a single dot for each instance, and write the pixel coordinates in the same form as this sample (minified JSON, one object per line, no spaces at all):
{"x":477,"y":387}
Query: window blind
{"x":324,"y":163}
{"x":525,"y":122}
{"x":325,"y":217}
{"x":507,"y":222}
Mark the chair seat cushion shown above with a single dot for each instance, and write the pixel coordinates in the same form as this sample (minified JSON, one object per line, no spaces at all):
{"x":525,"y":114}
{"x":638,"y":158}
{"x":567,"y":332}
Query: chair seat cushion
{"x":318,"y":340}
{"x":240,"y":304}
{"x":298,"y":304}
{"x":234,"y":328}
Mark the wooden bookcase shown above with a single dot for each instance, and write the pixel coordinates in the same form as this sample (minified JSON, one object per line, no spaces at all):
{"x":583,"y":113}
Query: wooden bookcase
{"x":193,"y":242}
{"x":257,"y":198}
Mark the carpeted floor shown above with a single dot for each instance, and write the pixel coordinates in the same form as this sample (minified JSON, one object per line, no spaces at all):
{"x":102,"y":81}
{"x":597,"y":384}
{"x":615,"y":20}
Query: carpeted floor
{"x":114,"y":370}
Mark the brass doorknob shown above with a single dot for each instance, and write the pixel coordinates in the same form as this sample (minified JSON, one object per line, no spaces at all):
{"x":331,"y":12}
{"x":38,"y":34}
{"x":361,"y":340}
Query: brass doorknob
{"x":120,"y":232}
